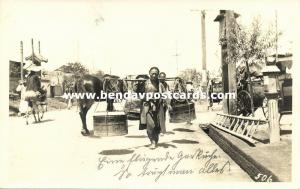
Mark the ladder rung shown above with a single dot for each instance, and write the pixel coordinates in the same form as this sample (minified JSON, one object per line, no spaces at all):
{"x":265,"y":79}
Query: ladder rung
{"x":242,"y":127}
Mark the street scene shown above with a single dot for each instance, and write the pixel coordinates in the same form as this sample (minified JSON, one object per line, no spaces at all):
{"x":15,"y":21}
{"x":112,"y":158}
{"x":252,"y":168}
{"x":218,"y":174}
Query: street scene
{"x":80,"y":157}
{"x":125,"y":95}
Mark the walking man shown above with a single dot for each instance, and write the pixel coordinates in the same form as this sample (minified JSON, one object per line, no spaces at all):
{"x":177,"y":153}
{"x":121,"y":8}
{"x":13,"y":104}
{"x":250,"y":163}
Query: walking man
{"x":149,"y":117}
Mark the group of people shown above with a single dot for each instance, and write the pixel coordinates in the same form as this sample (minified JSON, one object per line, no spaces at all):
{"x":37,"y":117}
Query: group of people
{"x":153,"y":111}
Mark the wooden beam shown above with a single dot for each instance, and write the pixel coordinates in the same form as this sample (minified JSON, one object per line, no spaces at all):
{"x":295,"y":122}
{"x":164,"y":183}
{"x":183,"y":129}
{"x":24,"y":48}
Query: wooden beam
{"x":227,"y":23}
{"x":32,"y":49}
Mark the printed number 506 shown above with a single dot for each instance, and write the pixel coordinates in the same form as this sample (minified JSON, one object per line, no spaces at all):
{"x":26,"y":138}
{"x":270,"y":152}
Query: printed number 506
{"x":263,"y":178}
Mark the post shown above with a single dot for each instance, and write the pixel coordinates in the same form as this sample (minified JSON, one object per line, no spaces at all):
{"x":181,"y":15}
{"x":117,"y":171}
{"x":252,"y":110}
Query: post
{"x":273,"y":101}
{"x":21,"y":48}
{"x":204,"y":81}
{"x":270,"y":73}
{"x":273,"y":120}
{"x":227,"y":21}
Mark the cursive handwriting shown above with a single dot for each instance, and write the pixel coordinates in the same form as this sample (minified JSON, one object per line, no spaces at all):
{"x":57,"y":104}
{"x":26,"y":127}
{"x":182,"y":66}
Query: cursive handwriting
{"x":142,"y":165}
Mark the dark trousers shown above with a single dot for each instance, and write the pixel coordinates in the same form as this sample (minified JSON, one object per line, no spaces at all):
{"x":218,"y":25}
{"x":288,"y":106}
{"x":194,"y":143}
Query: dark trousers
{"x":153,"y":128}
{"x":150,"y":120}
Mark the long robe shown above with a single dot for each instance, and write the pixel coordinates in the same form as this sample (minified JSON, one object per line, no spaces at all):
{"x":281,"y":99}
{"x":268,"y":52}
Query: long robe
{"x":163,"y":107}
{"x":149,"y":117}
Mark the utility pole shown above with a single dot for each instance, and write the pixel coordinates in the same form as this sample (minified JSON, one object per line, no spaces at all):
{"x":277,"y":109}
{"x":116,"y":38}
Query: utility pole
{"x":204,"y":81}
{"x":203,"y":40}
{"x":203,"y":37}
{"x":176,"y":56}
{"x":276,"y":36}
{"x":21,"y":48}
{"x":39,"y":47}
{"x":32,"y":49}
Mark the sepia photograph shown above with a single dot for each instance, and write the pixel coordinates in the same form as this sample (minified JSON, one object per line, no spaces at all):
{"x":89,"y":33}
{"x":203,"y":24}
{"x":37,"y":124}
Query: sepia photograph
{"x":149,"y":94}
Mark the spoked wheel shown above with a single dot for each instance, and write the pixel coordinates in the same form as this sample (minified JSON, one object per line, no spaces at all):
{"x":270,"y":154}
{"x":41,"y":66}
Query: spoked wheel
{"x":265,"y":108}
{"x":244,"y":103}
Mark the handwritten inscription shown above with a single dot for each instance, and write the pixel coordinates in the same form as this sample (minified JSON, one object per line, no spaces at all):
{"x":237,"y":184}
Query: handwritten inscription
{"x":180,"y":163}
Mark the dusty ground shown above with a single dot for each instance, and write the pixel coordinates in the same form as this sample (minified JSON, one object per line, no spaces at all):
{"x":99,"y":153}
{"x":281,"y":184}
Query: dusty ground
{"x":53,"y":153}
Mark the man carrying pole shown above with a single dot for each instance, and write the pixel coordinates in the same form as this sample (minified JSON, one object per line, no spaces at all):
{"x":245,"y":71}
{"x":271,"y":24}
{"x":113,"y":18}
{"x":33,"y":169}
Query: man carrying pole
{"x":149,"y":117}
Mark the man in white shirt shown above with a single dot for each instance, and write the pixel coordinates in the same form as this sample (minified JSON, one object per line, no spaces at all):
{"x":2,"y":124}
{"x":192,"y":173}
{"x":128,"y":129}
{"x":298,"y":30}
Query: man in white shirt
{"x":23,"y":107}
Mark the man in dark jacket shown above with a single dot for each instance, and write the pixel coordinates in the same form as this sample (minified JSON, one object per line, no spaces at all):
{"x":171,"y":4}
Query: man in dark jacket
{"x":149,"y":117}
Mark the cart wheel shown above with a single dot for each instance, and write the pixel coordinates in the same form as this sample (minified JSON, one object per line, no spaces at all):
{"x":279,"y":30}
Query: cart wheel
{"x":244,"y":103}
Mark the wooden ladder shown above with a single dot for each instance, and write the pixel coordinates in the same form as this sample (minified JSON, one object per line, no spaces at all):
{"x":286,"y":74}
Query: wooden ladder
{"x":240,"y":126}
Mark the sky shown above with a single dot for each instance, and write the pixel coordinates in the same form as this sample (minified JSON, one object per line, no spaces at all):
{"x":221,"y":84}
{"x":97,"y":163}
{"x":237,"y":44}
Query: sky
{"x":129,"y":36}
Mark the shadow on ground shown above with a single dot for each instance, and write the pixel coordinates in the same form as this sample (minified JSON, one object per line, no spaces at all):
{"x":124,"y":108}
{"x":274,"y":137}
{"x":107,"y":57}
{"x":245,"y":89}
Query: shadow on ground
{"x":116,"y":152}
{"x":184,"y":141}
{"x":166,"y":145}
{"x":184,"y":130}
{"x":136,"y":136}
{"x":42,"y":121}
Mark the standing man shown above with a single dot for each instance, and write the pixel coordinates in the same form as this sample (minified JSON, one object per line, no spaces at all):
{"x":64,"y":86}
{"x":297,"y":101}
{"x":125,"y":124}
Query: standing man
{"x":149,"y":118}
{"x":23,"y":107}
{"x":210,"y":91}
{"x":189,"y":90}
{"x":165,"y":103}
{"x":52,"y":87}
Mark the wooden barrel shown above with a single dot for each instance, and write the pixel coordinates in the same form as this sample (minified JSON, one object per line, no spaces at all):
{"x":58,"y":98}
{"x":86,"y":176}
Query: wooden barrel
{"x":182,"y":112}
{"x":110,"y":124}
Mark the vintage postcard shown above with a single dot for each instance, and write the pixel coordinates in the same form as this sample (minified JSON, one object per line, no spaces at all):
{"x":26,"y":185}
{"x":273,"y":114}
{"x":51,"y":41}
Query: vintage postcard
{"x":149,"y":94}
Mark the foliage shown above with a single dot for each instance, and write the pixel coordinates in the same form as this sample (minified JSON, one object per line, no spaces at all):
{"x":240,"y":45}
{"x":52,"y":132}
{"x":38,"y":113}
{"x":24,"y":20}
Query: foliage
{"x":191,"y":74}
{"x":75,"y":68}
{"x":250,"y":45}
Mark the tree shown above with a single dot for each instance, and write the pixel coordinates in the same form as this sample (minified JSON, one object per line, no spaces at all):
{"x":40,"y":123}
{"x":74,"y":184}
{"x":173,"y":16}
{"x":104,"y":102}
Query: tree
{"x":251,"y":45}
{"x":248,"y":48}
{"x":75,"y":68}
{"x":191,"y":74}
